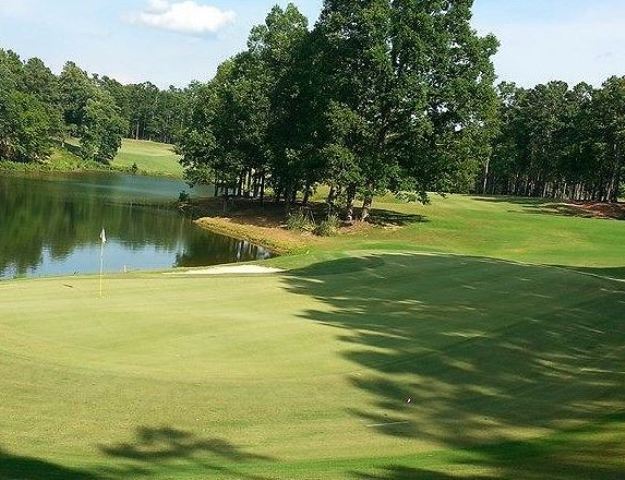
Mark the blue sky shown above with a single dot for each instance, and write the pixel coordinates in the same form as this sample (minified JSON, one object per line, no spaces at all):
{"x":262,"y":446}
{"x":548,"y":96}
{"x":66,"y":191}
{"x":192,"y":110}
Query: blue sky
{"x":176,"y":41}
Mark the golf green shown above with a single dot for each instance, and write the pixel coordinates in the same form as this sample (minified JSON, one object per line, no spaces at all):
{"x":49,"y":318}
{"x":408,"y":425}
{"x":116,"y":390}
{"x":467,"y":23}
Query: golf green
{"x":359,"y":366}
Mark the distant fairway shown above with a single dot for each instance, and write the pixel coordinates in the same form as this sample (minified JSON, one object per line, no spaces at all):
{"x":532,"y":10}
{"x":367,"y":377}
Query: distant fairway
{"x":150,"y":157}
{"x":514,"y":372}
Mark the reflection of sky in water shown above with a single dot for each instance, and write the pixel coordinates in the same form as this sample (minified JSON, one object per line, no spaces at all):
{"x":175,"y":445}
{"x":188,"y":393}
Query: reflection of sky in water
{"x":51,"y":226}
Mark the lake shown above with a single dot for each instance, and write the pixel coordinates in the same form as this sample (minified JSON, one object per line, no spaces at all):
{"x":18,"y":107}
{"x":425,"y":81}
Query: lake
{"x":50,"y":225}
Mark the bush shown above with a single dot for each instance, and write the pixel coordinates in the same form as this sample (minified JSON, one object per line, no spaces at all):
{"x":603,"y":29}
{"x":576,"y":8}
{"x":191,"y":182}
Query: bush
{"x":328,"y":227}
{"x":298,"y":221}
{"x":184,"y":197}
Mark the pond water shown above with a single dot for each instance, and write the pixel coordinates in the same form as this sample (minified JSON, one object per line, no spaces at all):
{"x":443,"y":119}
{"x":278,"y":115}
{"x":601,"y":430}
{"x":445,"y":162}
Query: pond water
{"x":51,"y":224}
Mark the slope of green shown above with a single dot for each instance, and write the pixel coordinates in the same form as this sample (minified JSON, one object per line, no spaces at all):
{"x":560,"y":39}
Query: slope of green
{"x":512,"y":371}
{"x":149,"y":157}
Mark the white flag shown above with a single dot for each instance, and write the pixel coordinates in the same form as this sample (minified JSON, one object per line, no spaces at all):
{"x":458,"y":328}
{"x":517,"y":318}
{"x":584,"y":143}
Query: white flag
{"x":103,"y":236}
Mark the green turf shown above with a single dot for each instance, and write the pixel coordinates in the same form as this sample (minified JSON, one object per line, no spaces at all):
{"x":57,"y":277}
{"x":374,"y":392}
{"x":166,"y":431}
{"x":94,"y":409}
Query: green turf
{"x":150,"y":157}
{"x":514,"y":371}
{"x":522,"y":229}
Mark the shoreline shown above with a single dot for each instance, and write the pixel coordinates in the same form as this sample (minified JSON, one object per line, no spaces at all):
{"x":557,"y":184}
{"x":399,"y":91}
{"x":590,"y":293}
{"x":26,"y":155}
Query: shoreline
{"x":42,"y":168}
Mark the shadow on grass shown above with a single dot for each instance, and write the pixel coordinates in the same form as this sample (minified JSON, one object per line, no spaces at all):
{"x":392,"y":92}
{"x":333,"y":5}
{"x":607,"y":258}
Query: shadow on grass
{"x":152,"y":452}
{"x":460,"y":352}
{"x":615,"y":211}
{"x":155,"y":448}
{"x":272,"y":215}
{"x":617,"y":273}
{"x":384,"y":218}
{"x":16,"y":467}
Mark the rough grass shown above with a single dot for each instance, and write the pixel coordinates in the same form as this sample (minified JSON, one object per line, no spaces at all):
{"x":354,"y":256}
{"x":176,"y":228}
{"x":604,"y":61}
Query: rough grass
{"x":513,"y":371}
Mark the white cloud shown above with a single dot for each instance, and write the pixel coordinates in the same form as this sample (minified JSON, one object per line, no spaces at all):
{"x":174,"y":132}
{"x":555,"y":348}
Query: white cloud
{"x":185,"y":16}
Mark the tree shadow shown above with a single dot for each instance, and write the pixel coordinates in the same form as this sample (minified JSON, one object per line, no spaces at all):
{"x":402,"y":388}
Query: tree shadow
{"x":16,"y":467}
{"x":152,"y":452}
{"x":389,"y":218}
{"x":462,"y":352}
{"x":616,"y":273}
{"x":155,"y":448}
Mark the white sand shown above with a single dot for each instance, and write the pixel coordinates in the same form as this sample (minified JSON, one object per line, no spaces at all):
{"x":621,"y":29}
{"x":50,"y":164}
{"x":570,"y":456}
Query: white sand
{"x":230,"y":270}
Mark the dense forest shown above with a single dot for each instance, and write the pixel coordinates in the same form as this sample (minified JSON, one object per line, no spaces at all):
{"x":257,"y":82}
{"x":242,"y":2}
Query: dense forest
{"x":558,"y":142}
{"x":376,"y":96}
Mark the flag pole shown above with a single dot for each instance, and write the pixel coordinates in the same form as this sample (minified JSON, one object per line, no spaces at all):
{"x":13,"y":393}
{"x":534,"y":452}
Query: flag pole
{"x":101,"y":265}
{"x":102,"y":242}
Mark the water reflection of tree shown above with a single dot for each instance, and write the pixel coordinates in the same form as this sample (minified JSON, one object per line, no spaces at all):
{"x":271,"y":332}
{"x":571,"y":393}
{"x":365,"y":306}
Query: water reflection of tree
{"x":38,"y":217}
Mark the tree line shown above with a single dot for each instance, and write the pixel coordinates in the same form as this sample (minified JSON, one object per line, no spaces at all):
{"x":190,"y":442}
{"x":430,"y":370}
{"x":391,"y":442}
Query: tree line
{"x":559,"y":142}
{"x":39,"y":109}
{"x":376,"y":96}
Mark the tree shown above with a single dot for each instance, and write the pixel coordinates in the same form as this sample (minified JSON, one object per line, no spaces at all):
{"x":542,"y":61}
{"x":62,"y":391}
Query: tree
{"x":29,"y":119}
{"x":102,"y":128}
{"x":26,"y":127}
{"x":415,"y":82}
{"x":559,"y":142}
{"x":91,"y":114}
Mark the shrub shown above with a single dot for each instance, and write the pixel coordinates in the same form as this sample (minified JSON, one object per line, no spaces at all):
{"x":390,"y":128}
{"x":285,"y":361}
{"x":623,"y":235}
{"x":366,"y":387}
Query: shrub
{"x":184,"y":197}
{"x":298,"y":221}
{"x":328,"y":227}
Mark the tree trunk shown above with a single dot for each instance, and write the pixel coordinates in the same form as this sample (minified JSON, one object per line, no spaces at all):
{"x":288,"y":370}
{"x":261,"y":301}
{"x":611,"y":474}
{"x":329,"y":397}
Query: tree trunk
{"x":306,"y":194}
{"x":330,"y":200}
{"x":486,"y":173}
{"x":366,"y":207}
{"x":349,"y":210}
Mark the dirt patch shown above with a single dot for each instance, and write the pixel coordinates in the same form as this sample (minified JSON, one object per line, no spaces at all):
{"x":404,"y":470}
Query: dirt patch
{"x":592,"y":210}
{"x":277,"y":239}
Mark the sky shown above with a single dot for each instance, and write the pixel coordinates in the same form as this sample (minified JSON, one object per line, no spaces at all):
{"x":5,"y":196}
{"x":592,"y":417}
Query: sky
{"x":171,"y":42}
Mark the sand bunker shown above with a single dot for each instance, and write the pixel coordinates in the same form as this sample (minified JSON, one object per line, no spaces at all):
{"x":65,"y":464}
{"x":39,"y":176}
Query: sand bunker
{"x":230,"y":270}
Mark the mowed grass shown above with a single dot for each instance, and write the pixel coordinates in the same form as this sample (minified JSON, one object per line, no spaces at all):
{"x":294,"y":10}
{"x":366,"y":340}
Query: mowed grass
{"x":513,"y":371}
{"x":518,"y":229}
{"x":150,"y":157}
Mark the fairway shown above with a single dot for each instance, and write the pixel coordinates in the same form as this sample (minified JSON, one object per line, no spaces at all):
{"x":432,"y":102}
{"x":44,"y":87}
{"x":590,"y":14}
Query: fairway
{"x":513,"y":371}
{"x":150,"y":157}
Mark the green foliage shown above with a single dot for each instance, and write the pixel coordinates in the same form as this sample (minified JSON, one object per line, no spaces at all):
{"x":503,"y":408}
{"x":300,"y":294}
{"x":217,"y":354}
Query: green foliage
{"x":91,"y":114}
{"x":299,"y":221}
{"x":26,"y":127}
{"x":184,"y":197}
{"x":378,"y":96}
{"x":559,"y":142}
{"x":28,"y":119}
{"x":328,"y":227}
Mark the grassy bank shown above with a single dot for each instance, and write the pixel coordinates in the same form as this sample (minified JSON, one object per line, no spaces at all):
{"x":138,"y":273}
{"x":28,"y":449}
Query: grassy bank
{"x":150,"y":158}
{"x":363,"y":360}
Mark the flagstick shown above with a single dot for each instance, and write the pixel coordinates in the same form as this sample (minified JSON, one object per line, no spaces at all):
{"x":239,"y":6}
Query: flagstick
{"x":101,"y":265}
